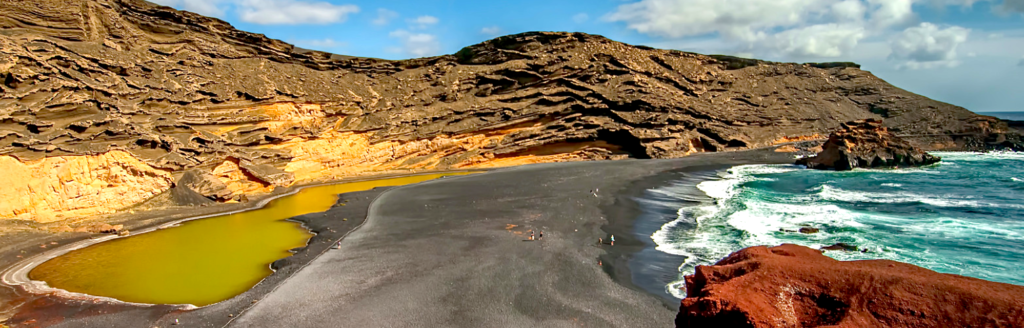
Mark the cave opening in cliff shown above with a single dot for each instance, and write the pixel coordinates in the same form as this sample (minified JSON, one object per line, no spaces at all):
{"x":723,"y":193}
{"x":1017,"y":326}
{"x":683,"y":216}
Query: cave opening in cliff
{"x":626,"y":141}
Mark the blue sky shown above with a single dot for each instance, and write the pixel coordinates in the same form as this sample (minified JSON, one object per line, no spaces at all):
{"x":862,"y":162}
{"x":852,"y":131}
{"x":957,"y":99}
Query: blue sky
{"x":966,"y":52}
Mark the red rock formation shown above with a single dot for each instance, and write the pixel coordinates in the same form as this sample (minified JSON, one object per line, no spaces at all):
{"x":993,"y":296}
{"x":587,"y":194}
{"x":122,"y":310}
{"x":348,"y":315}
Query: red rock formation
{"x":868,"y":144}
{"x":795,"y":286}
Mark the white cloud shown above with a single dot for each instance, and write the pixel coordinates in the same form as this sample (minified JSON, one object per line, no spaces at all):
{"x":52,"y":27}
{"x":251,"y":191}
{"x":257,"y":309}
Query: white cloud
{"x":892,"y":13}
{"x":202,"y":7}
{"x":384,"y":17}
{"x":849,"y":11}
{"x":322,"y":44}
{"x":423,"y":22}
{"x":823,"y":40}
{"x":732,"y":19}
{"x":580,"y":18}
{"x":1021,"y":62}
{"x":886,"y":31}
{"x":994,"y":36}
{"x":291,"y":12}
{"x":783,"y":27}
{"x":416,"y":44}
{"x":492,"y":30}
{"x":927,"y":46}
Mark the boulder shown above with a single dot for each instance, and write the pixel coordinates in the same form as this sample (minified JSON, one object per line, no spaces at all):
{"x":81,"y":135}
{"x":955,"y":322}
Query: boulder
{"x":866,"y":144}
{"x":98,"y":227}
{"x":840,"y":247}
{"x":796,"y":286}
{"x":268,"y":173}
{"x":205,"y":184}
{"x":808,"y":230}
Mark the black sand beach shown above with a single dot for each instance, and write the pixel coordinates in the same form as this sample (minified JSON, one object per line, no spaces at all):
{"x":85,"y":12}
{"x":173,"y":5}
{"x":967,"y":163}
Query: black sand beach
{"x":455,"y":252}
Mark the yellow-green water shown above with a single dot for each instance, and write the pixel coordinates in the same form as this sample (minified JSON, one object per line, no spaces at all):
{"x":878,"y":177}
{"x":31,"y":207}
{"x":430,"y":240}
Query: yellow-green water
{"x":203,"y":261}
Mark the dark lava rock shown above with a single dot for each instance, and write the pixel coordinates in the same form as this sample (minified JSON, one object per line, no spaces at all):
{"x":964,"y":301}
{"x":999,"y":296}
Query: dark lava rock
{"x":840,"y":247}
{"x":808,"y":230}
{"x":866,"y":144}
{"x":796,"y":286}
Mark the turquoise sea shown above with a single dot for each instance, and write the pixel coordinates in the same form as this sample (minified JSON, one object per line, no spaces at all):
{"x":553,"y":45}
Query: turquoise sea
{"x":1014,"y":116}
{"x":964,"y":215}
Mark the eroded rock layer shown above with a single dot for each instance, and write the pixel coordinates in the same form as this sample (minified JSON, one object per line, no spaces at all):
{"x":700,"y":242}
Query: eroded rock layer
{"x":53,"y":188}
{"x":866,"y":144}
{"x":795,"y":286}
{"x":181,"y":92}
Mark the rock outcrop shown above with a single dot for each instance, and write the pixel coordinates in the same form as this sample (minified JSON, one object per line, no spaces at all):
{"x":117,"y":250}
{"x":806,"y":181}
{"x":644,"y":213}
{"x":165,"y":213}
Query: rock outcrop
{"x":179,"y":91}
{"x":866,"y":144}
{"x":795,"y":286}
{"x":54,"y":188}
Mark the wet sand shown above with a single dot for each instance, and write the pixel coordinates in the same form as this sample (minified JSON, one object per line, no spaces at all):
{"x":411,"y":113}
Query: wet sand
{"x":455,"y":252}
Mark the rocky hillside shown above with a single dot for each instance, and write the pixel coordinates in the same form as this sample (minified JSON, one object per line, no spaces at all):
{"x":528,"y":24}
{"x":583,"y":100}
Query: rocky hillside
{"x":107,"y":103}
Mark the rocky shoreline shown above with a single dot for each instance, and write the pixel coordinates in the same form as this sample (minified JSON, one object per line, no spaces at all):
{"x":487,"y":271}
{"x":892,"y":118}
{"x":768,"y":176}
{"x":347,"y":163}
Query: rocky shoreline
{"x":20,"y":300}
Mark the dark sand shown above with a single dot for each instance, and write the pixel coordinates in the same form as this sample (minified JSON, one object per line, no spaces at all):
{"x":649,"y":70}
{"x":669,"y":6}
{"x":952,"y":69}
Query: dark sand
{"x":440,"y":253}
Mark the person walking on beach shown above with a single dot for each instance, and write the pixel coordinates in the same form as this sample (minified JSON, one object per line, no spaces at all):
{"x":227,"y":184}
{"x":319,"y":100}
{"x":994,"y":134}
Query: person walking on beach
{"x":531,"y":235}
{"x":613,"y":240}
{"x":600,"y":241}
{"x":541,"y":235}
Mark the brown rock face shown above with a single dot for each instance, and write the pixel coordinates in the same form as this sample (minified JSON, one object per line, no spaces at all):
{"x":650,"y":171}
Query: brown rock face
{"x":179,"y":91}
{"x":866,"y":144}
{"x":795,"y":286}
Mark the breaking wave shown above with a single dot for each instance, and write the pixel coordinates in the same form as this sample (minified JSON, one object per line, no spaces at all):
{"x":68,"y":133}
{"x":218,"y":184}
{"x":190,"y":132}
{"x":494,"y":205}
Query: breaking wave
{"x":964,"y":216}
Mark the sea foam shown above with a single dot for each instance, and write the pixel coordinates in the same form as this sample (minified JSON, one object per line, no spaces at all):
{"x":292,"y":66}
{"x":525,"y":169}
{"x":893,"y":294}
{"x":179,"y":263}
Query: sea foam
{"x":943,"y":217}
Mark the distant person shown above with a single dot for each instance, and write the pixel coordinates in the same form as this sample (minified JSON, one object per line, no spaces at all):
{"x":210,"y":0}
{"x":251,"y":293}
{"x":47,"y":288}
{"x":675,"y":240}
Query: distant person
{"x":541,"y":235}
{"x":600,"y":241}
{"x":613,"y":240}
{"x":531,"y":235}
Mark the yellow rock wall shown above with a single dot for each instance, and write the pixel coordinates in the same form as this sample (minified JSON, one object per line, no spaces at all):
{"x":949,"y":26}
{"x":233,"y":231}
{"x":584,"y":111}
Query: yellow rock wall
{"x":238,"y":181}
{"x":58,"y":188}
{"x":55,"y":188}
{"x":336,"y":155}
{"x":340,"y":154}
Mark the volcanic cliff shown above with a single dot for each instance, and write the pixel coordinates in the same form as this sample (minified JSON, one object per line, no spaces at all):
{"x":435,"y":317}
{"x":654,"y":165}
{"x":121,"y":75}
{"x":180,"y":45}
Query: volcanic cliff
{"x":108,"y":103}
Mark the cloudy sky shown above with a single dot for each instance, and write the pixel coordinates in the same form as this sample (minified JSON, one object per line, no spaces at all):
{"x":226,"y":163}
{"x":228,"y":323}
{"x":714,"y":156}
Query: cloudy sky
{"x":966,"y":52}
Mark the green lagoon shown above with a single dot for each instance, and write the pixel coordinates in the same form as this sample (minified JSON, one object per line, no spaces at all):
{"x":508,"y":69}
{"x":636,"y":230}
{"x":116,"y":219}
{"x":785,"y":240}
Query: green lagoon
{"x":203,"y":261}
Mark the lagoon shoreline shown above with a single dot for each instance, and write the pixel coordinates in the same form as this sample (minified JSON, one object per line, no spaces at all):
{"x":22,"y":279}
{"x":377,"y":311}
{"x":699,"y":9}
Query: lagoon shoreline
{"x":620,"y":182}
{"x":21,"y":291}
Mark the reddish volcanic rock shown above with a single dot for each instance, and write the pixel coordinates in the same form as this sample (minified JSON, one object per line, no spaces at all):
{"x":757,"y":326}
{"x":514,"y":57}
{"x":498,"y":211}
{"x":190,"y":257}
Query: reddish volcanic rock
{"x":795,"y":286}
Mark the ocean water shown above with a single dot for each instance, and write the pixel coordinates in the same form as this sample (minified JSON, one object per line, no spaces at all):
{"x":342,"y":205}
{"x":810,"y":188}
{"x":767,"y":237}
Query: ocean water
{"x":964,"y":215}
{"x":1015,"y":116}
